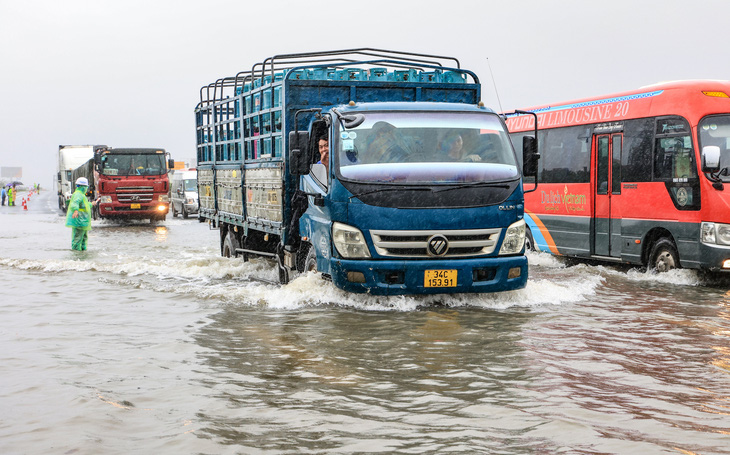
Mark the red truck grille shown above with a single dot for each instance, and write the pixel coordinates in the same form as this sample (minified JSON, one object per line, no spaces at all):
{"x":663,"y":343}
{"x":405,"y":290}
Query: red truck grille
{"x":134,"y":194}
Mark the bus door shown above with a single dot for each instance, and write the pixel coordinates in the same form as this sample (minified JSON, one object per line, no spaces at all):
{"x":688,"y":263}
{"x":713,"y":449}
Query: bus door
{"x":606,"y":219}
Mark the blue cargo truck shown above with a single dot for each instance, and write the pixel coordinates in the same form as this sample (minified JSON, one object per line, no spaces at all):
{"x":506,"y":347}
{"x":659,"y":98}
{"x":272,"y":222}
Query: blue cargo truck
{"x":380,"y":169}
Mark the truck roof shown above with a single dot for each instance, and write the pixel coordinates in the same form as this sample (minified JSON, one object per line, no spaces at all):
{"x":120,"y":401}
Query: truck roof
{"x":134,"y":150}
{"x":424,"y":106}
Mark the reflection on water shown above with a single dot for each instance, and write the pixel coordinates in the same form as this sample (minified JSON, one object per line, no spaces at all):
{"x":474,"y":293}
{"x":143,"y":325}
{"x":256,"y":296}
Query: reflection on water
{"x":317,"y":380}
{"x":160,"y":233}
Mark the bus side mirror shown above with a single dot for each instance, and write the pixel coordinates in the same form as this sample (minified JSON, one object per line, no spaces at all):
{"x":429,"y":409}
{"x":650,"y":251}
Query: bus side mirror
{"x":530,"y":156}
{"x":710,"y":158}
{"x":299,"y":155}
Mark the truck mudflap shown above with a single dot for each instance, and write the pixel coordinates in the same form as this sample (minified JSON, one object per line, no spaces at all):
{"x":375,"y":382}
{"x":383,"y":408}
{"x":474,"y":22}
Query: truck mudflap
{"x":388,"y":277}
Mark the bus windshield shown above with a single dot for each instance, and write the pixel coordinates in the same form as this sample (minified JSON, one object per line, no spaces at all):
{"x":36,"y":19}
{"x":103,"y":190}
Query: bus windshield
{"x":427,"y":147}
{"x":133,"y":164}
{"x":715,"y":130}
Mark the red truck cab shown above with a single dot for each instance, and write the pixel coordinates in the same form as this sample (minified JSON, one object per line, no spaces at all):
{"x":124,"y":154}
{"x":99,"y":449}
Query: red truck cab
{"x":132,"y":183}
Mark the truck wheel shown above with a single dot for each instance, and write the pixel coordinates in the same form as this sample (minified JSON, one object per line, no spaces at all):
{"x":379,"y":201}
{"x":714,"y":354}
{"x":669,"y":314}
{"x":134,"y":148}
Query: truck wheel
{"x":228,"y":249}
{"x":529,"y":241}
{"x":307,"y":261}
{"x":664,"y":256}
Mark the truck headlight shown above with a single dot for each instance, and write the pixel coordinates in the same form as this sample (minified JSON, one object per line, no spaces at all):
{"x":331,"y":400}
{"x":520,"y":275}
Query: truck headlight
{"x":514,"y":238}
{"x":715,"y":233}
{"x":164,"y":198}
{"x":105,"y":200}
{"x":349,"y":241}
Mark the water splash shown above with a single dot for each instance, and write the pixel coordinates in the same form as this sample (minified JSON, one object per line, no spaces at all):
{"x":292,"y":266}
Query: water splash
{"x":254,"y":283}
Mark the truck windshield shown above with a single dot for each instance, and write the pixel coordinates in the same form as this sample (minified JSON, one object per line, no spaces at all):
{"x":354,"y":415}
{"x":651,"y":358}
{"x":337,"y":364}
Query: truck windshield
{"x":715,"y":130}
{"x":427,"y":147}
{"x":133,"y":164}
{"x":191,"y":185}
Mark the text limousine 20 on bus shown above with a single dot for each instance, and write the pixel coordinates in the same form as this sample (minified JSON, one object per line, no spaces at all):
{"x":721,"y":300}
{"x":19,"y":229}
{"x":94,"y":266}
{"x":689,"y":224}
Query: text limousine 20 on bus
{"x":635,"y":177}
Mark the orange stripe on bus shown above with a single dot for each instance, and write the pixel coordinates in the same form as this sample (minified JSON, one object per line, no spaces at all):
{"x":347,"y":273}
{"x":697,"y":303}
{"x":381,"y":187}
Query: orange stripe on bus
{"x":545,"y":233}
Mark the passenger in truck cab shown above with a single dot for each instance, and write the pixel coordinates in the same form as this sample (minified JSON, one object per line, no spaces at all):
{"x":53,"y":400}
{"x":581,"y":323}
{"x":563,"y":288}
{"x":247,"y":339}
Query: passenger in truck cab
{"x":133,"y":170}
{"x":324,"y":152}
{"x":453,"y":149}
{"x":387,"y":145}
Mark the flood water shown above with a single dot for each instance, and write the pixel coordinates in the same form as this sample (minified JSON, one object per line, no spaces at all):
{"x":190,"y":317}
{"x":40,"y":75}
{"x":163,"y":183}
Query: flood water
{"x":150,"y":342}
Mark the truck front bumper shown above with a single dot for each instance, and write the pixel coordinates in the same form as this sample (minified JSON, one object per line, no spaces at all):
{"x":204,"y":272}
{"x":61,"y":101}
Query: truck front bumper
{"x":398,"y":277}
{"x":145,"y":210}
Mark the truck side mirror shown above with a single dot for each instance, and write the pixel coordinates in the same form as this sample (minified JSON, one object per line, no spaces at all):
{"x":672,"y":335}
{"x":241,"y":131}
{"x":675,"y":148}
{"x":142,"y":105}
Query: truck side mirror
{"x":171,"y":163}
{"x":710,"y":158}
{"x":299,"y":155}
{"x":530,"y":156}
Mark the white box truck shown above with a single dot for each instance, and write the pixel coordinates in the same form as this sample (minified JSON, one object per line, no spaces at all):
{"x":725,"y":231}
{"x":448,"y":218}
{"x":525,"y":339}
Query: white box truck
{"x":69,"y":158}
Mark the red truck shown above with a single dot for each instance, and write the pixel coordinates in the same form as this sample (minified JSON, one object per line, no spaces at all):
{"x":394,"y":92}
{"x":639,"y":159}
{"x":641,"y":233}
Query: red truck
{"x":130,"y":183}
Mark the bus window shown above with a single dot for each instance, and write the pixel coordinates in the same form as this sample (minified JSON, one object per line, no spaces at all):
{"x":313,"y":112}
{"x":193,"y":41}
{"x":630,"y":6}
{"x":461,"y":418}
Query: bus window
{"x":715,"y":130}
{"x":602,"y":165}
{"x":674,"y":158}
{"x":565,"y":155}
{"x":673,"y":154}
{"x":636,"y":158}
{"x":616,"y":164}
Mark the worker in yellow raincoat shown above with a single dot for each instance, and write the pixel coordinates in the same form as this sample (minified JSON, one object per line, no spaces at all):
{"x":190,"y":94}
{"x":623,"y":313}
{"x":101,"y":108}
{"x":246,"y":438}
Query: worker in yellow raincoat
{"x":78,"y":217}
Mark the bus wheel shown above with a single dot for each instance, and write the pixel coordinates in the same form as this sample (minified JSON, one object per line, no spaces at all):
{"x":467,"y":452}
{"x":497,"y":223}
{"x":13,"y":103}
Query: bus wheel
{"x":664,"y":256}
{"x":529,"y":241}
{"x":228,"y":250}
{"x":174,"y":210}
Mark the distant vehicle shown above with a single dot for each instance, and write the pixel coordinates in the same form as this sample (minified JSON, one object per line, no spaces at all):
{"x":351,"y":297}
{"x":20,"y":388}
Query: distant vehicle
{"x":130,"y":183}
{"x":69,"y":158}
{"x":636,"y":177}
{"x":338,"y":162}
{"x":184,"y":192}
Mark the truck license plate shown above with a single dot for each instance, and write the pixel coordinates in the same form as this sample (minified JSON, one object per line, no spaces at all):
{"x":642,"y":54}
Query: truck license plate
{"x":440,"y":278}
{"x":136,"y":206}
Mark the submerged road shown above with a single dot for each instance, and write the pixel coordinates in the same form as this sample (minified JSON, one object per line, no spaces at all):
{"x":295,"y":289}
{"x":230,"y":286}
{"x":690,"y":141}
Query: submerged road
{"x":150,"y":342}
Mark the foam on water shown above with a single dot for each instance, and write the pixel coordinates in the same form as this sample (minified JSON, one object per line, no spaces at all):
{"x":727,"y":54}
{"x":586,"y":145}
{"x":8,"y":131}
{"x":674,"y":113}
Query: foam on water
{"x":254,"y":283}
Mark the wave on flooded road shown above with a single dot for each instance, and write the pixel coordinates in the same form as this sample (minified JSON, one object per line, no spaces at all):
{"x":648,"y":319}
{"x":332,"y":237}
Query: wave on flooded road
{"x":254,"y":283}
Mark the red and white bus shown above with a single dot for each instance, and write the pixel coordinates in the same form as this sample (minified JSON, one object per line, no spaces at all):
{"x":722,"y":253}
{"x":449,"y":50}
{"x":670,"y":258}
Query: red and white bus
{"x":636,"y":177}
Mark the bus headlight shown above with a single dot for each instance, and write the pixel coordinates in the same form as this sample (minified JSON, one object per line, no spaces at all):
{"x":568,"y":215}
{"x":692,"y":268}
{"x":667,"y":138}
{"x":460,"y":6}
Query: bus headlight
{"x":715,"y":233}
{"x":105,"y":200}
{"x":514,"y":238}
{"x":349,"y":241}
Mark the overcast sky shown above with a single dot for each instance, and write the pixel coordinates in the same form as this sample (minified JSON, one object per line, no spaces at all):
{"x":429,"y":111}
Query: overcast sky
{"x":128,"y":73}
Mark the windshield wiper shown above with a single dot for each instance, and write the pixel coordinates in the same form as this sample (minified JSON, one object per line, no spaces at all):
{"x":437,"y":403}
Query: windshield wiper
{"x":475,"y":185}
{"x":394,"y":188}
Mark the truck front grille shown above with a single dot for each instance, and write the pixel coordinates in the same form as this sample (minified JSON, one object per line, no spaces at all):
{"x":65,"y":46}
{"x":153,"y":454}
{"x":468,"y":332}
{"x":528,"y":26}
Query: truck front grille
{"x":460,"y":243}
{"x":134,"y":194}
